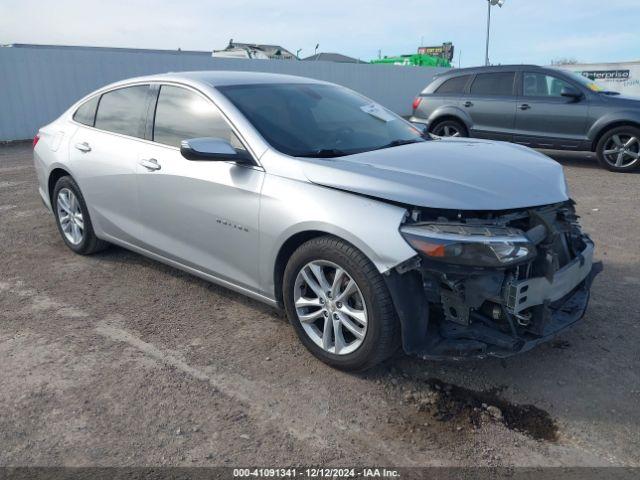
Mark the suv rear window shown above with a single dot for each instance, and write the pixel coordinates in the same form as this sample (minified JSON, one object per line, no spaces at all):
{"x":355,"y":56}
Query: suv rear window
{"x":123,"y":111}
{"x":86,"y":113}
{"x":500,"y":84}
{"x":454,"y":85}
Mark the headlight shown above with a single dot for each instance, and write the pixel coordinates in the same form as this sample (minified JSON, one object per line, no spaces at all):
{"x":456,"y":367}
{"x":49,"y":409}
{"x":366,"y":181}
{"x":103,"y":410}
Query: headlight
{"x":479,"y":246}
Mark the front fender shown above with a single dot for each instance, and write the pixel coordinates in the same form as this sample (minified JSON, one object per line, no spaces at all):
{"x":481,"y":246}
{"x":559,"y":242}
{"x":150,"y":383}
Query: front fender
{"x":290,"y":207}
{"x":606,"y":121}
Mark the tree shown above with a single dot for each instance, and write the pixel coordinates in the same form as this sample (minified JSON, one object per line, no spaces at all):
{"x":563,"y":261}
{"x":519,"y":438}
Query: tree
{"x":564,"y":61}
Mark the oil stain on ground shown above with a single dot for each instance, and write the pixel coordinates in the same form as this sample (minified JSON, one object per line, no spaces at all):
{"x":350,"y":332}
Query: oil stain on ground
{"x":451,"y":401}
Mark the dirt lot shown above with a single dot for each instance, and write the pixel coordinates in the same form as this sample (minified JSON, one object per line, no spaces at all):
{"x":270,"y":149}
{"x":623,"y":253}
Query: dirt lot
{"x":118,"y":360}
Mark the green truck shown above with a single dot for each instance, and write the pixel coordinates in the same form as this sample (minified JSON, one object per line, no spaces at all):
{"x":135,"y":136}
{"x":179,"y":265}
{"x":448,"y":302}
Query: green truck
{"x":414,"y":60}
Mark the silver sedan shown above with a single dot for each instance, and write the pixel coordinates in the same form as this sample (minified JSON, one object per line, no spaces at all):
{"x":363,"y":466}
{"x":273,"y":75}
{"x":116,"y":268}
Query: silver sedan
{"x":312,"y":198}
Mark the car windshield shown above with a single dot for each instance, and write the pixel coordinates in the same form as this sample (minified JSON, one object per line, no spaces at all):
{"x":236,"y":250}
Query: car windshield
{"x":317,"y":120}
{"x":584,"y":81}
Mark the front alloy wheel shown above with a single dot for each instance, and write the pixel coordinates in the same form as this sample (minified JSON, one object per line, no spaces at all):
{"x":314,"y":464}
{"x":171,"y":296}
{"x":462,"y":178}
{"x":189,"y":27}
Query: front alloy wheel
{"x":619,"y":150}
{"x":330,"y":307}
{"x":339,"y":304}
{"x":622,"y":150}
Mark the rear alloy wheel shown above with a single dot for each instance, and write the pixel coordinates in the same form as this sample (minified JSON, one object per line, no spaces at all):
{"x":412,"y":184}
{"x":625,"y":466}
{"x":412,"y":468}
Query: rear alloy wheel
{"x":72,"y":218}
{"x":619,"y":149}
{"x":449,"y":128}
{"x":340,"y":305}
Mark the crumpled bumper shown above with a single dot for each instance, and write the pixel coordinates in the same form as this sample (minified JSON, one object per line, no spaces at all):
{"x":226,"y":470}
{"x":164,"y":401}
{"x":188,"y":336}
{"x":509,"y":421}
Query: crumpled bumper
{"x":478,"y":341}
{"x":560,"y":302}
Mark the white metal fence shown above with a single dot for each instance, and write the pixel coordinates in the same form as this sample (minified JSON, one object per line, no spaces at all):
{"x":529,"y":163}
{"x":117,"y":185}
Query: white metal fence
{"x":623,"y":77}
{"x":37,"y":83}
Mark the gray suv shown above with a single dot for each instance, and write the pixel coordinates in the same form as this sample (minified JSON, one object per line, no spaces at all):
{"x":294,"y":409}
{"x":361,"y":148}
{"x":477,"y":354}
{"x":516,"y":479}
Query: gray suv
{"x":533,"y":106}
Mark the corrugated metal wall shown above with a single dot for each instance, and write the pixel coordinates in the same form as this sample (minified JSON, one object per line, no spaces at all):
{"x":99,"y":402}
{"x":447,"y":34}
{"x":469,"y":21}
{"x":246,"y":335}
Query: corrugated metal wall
{"x":38,"y":83}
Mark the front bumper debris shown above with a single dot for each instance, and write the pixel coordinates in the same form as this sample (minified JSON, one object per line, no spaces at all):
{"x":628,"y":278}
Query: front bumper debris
{"x":481,"y":341}
{"x":453,"y":313}
{"x":523,"y":294}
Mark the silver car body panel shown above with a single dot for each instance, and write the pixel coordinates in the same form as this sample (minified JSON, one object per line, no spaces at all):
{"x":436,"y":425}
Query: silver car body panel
{"x":458,"y":174}
{"x":227,"y":223}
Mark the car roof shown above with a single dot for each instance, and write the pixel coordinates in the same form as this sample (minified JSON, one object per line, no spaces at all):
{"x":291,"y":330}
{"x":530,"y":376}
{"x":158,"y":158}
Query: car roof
{"x":493,"y":68}
{"x":218,"y":78}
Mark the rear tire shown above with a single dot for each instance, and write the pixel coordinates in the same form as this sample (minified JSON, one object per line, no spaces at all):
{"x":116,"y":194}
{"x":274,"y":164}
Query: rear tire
{"x":373,"y":341}
{"x":72,"y":218}
{"x":619,"y":149}
{"x":449,"y":128}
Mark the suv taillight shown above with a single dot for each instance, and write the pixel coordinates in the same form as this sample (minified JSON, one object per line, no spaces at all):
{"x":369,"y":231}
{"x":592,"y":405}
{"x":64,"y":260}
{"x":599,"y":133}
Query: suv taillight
{"x":416,"y":103}
{"x":35,"y":140}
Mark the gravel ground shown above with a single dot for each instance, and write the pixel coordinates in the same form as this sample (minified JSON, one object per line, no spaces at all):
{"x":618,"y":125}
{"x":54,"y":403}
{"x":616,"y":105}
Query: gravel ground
{"x":115,"y":359}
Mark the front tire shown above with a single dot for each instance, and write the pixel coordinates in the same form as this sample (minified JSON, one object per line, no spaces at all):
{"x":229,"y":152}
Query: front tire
{"x":339,"y":305}
{"x":72,"y":218}
{"x":619,"y":149}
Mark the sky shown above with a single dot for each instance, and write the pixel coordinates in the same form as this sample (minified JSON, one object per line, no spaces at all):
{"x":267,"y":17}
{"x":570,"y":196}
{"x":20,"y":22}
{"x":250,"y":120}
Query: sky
{"x":522,"y":31}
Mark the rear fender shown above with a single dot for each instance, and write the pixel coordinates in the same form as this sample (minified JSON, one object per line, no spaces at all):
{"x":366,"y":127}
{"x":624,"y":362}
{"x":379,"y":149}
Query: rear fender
{"x":451,"y":111}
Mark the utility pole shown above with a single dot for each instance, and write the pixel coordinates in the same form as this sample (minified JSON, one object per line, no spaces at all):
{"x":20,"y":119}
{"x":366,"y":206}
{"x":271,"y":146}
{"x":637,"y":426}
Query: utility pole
{"x":486,"y":54}
{"x":490,"y":3}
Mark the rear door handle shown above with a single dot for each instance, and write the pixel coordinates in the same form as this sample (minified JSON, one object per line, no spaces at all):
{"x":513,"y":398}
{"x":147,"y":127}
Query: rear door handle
{"x":525,"y":106}
{"x":468,"y":104}
{"x":83,"y":147}
{"x":151,"y":164}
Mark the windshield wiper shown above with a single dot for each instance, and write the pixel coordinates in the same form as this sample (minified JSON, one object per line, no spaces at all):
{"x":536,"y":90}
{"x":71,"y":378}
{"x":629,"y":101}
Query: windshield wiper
{"x":334,"y":152}
{"x":325,"y":153}
{"x":397,"y":143}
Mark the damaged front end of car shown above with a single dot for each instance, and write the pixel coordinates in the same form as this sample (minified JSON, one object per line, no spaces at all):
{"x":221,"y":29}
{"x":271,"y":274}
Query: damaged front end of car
{"x":491,"y":283}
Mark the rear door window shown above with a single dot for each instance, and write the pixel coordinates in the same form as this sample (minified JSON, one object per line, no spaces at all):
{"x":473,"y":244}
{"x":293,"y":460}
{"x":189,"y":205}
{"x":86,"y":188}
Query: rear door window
{"x":123,"y":111}
{"x":86,"y":113}
{"x":454,"y":85}
{"x":493,"y":84}
{"x":182,"y":114}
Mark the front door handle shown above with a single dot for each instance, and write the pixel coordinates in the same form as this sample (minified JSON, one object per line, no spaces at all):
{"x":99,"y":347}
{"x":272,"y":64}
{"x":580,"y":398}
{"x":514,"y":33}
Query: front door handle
{"x":151,"y":164}
{"x":84,"y":147}
{"x":468,"y":104}
{"x":525,"y":106}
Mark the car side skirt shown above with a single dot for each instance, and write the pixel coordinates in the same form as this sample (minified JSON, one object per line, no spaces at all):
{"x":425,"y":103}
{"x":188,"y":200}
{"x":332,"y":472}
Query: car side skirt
{"x":193,"y":271}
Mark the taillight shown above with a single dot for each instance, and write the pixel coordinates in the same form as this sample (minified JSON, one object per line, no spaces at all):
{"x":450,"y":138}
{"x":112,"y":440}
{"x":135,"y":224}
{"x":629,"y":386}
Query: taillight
{"x":416,"y":103}
{"x":35,"y":140}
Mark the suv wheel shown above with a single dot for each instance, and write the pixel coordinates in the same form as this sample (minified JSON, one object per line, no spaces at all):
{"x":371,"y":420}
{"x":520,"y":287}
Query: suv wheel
{"x":619,"y":149}
{"x":339,"y":305}
{"x":72,"y":218}
{"x":449,"y":128}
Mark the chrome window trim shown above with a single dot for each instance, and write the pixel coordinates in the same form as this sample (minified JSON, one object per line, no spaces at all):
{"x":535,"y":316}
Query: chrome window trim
{"x":257,"y":166}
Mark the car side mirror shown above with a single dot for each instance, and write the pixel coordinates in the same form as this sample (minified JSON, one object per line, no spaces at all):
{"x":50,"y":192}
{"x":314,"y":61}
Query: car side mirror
{"x":571,"y":92}
{"x":213,"y":149}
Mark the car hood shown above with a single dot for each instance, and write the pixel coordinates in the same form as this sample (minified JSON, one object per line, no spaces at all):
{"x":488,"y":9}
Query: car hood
{"x":628,"y":101}
{"x":460,"y":174}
